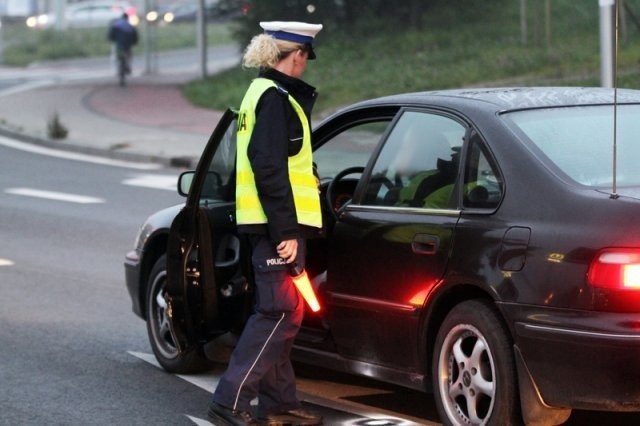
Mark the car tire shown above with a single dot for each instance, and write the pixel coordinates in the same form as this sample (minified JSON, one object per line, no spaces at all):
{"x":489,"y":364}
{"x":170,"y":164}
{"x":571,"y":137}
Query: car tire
{"x":163,"y":345}
{"x":473,"y":368}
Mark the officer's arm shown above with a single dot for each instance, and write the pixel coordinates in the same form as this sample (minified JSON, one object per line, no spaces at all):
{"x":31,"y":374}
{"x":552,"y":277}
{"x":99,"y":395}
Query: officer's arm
{"x":268,"y":155}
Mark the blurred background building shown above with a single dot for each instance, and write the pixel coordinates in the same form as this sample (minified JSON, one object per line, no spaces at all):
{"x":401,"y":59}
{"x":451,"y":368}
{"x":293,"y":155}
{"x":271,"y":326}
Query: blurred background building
{"x":18,"y":9}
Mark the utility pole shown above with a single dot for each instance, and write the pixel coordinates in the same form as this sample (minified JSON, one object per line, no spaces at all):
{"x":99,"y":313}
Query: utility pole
{"x":61,"y":16}
{"x":1,"y":42}
{"x":622,"y":21}
{"x":523,"y":21}
{"x":607,"y":42}
{"x":150,"y":48}
{"x":201,"y":25}
{"x":547,"y":22}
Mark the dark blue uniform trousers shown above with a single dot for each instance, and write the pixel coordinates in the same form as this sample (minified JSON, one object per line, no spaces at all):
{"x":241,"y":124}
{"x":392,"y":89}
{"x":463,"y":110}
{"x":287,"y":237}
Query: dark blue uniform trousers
{"x":260,"y":364}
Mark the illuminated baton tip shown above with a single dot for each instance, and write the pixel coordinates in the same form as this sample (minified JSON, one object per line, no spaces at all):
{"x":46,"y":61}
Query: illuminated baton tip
{"x":301,"y":280}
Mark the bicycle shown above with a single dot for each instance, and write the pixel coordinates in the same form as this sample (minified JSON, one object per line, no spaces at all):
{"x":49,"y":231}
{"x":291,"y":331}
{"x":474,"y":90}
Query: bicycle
{"x":124,"y":67}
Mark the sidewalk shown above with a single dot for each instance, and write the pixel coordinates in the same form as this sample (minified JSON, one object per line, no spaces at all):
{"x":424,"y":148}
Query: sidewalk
{"x":146,"y":121}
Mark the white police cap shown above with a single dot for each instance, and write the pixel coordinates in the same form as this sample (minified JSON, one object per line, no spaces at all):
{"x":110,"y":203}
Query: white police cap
{"x":297,"y":32}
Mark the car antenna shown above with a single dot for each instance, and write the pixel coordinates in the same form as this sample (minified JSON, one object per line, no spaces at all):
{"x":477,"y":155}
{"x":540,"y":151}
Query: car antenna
{"x":614,"y":194}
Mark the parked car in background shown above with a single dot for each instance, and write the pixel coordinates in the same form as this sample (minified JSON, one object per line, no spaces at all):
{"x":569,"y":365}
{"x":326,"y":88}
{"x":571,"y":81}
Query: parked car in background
{"x":186,"y":11}
{"x":481,"y":244}
{"x":87,"y":14}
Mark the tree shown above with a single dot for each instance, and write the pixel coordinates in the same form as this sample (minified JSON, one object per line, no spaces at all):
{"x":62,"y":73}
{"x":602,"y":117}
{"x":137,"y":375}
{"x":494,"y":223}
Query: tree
{"x":357,"y":17}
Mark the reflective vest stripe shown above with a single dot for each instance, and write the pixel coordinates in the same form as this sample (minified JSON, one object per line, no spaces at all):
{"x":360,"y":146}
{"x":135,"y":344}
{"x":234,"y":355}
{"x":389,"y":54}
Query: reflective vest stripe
{"x":249,"y":202}
{"x":247,"y":178}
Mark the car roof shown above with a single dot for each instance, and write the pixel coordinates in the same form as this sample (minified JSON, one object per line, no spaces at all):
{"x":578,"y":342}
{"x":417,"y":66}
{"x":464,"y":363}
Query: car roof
{"x":512,"y":98}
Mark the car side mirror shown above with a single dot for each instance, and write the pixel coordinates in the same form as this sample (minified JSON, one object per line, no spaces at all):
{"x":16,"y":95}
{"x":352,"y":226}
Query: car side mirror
{"x":184,"y":182}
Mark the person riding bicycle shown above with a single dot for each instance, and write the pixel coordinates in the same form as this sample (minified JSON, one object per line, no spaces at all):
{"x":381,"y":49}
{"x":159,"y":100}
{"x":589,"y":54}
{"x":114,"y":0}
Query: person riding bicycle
{"x":124,"y":36}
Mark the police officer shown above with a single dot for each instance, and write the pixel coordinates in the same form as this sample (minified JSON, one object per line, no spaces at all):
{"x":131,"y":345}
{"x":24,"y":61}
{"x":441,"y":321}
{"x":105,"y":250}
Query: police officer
{"x":277,"y":206}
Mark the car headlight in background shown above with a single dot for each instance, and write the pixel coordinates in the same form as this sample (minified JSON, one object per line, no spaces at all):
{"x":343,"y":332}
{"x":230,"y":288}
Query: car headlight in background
{"x":152,"y":16}
{"x":168,"y":17}
{"x":37,"y":21}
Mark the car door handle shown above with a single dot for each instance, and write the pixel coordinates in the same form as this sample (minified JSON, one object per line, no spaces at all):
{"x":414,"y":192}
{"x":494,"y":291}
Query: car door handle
{"x":425,"y":244}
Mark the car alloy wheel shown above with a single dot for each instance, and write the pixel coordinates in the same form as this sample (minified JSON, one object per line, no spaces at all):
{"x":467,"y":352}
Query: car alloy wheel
{"x":473,"y":368}
{"x":157,"y":317}
{"x":160,"y":338}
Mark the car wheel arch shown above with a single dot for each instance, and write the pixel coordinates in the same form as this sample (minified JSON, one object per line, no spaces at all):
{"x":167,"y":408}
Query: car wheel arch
{"x":473,"y":372}
{"x":156,"y":246}
{"x":533,"y":408}
{"x":168,"y":355}
{"x":438,"y":308}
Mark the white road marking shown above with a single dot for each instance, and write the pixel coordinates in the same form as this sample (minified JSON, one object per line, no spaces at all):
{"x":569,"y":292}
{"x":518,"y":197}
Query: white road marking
{"x":58,"y":196}
{"x":206,"y":381}
{"x":146,"y":358}
{"x":199,"y":422}
{"x":209,"y":381}
{"x":6,"y":262}
{"x":75,"y":156}
{"x":24,"y":87}
{"x":166,"y":182}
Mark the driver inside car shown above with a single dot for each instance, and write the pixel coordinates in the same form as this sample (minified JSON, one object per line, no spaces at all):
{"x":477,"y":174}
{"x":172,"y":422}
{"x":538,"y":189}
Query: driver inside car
{"x":423,"y":166}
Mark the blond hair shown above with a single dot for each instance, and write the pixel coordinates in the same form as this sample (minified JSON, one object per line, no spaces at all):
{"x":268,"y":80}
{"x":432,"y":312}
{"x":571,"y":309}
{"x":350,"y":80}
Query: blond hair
{"x":265,"y":51}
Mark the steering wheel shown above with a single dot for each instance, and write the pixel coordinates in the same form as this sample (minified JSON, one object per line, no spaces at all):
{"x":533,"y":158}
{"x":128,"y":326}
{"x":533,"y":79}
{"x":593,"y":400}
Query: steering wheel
{"x":331,"y":188}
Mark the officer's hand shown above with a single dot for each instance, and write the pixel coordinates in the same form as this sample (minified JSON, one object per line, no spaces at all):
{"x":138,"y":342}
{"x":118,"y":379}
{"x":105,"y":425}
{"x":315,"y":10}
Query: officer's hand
{"x":288,"y":250}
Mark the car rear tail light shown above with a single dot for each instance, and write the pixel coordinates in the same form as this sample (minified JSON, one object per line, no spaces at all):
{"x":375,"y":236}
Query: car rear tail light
{"x":616,"y":269}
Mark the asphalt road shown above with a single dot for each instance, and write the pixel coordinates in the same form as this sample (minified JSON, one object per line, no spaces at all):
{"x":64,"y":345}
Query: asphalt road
{"x":71,"y":350}
{"x":66,"y":320}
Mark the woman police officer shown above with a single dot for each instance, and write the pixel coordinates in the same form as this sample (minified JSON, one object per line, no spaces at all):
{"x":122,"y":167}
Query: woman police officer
{"x":277,"y":206}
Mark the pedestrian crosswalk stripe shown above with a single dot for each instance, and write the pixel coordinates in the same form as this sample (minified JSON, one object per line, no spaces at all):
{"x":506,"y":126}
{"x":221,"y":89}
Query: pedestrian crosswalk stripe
{"x":206,"y":381}
{"x":57,"y":196}
{"x":166,"y":182}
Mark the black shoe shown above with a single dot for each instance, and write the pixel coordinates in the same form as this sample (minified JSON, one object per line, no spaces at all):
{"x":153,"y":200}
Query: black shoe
{"x":298,"y":417}
{"x":223,"y":416}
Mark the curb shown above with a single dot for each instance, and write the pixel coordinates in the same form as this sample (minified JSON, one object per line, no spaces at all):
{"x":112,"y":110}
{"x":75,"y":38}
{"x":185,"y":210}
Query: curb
{"x":177,"y":162}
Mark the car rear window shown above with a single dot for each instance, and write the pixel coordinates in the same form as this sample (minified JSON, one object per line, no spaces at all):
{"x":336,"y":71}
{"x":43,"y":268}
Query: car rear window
{"x":579,"y":140}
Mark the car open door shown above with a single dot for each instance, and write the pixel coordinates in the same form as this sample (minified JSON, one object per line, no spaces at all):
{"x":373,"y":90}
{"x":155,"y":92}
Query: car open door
{"x":205,"y":287}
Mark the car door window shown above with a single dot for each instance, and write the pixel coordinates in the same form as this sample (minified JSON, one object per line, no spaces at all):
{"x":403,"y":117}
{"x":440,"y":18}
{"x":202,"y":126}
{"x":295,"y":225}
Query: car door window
{"x":219,"y":183}
{"x":483,"y":185}
{"x":349,"y":148}
{"x":418,"y":164}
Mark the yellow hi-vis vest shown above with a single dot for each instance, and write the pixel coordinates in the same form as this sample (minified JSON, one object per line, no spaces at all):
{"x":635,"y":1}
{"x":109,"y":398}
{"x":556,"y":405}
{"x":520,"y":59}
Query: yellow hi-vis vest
{"x":303,"y":182}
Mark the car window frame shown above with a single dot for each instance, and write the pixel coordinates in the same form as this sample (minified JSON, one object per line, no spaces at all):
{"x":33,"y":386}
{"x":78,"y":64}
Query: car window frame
{"x":366,"y":176}
{"x":227,"y":120}
{"x":345,"y":120}
{"x":474,"y":136}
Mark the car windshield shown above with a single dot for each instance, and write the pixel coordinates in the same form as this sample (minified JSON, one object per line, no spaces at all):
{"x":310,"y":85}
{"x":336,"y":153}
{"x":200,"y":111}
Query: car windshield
{"x":579,"y":140}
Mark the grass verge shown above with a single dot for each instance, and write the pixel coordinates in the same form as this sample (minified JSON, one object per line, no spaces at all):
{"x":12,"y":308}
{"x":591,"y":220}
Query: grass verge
{"x":25,"y":45}
{"x":476,"y":47}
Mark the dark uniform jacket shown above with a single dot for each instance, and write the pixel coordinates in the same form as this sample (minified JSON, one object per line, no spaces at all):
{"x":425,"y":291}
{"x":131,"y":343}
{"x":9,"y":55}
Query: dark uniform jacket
{"x":123,"y":34}
{"x":276,"y":136}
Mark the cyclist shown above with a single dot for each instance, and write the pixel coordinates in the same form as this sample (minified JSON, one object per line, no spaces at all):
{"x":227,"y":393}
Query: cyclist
{"x":124,"y":36}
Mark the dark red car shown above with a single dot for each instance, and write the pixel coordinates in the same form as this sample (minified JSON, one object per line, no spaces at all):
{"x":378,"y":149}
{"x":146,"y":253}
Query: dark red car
{"x":480,"y":244}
